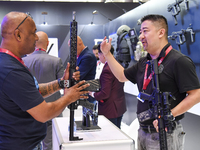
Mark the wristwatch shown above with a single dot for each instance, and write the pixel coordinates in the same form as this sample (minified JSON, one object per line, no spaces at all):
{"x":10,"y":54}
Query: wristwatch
{"x":172,"y":117}
{"x":63,"y":83}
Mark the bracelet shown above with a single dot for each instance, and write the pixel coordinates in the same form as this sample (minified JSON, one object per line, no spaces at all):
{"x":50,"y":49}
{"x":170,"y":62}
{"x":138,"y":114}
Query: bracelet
{"x":63,"y":83}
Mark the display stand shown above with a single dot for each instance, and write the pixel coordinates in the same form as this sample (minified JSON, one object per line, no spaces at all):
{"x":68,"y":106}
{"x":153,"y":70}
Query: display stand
{"x":108,"y":137}
{"x":80,"y":126}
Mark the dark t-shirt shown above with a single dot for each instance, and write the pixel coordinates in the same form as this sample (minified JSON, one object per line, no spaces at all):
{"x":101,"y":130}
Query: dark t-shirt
{"x":18,"y":93}
{"x":178,"y":76}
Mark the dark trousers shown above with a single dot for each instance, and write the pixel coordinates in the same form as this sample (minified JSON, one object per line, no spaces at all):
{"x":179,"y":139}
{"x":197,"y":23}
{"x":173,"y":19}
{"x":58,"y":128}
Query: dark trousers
{"x":116,"y":121}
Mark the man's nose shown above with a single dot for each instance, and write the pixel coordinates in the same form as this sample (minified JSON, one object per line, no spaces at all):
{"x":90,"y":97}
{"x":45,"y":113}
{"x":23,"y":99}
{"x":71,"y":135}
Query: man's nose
{"x":141,"y":36}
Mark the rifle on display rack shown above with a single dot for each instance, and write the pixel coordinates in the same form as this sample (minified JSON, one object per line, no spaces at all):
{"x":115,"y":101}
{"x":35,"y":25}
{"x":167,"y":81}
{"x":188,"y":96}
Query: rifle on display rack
{"x":175,"y":9}
{"x":94,"y":84}
{"x":180,"y":36}
{"x":160,"y":104}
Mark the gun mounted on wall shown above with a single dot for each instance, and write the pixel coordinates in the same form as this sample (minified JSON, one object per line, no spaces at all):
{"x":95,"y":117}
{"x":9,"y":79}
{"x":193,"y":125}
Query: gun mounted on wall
{"x":175,"y":8}
{"x":180,"y":36}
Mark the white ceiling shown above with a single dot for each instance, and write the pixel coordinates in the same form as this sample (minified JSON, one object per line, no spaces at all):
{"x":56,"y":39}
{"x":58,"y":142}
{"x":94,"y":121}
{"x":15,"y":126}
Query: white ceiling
{"x":106,"y":1}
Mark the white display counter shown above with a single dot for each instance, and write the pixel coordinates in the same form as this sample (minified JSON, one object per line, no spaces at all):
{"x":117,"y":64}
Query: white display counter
{"x":108,"y":137}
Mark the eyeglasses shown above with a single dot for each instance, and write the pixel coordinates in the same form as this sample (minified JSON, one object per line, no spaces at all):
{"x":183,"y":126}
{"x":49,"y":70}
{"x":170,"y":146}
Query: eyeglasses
{"x":27,"y":15}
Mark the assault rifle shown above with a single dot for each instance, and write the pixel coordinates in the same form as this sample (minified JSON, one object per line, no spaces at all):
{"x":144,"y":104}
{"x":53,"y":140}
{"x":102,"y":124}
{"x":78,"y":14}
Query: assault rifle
{"x":180,"y":36}
{"x":175,"y":9}
{"x":94,"y":84}
{"x":160,"y":104}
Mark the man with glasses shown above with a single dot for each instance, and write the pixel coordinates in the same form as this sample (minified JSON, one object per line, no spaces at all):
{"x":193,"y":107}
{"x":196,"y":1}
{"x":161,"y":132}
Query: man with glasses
{"x":22,"y":106}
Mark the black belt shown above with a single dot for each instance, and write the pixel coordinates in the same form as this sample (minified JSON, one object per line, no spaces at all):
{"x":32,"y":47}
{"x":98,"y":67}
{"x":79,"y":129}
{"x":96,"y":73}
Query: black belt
{"x":148,"y":128}
{"x":151,"y":129}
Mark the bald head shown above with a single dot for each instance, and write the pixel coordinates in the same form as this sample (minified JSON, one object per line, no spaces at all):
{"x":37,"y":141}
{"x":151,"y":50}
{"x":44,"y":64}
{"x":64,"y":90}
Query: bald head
{"x":42,"y":41}
{"x":80,"y":45}
{"x":79,"y":40}
{"x":10,"y":23}
{"x":18,"y":33}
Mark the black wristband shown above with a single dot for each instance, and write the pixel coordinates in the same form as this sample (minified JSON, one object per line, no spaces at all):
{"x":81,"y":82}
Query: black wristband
{"x":63,"y":83}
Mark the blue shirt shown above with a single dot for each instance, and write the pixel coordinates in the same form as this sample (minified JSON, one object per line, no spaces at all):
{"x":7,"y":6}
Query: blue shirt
{"x":18,"y":93}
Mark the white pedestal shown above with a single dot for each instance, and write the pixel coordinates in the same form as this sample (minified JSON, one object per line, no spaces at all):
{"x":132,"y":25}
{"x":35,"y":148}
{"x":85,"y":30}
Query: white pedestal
{"x":108,"y":137}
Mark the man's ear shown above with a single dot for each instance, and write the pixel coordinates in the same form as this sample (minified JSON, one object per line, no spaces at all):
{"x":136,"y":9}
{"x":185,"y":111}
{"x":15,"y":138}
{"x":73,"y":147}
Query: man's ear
{"x":161,"y":32}
{"x":17,"y":34}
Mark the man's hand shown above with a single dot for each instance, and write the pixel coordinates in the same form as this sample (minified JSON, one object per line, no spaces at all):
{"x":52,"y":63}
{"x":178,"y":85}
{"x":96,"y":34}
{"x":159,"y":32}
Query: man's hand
{"x":76,"y":75}
{"x":75,"y":92}
{"x":155,"y":124}
{"x":46,"y":111}
{"x":91,"y":93}
{"x":105,"y":47}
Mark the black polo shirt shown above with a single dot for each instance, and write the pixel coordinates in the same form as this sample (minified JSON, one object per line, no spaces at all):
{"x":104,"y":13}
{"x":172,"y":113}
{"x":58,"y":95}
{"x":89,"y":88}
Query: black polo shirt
{"x":178,"y":76}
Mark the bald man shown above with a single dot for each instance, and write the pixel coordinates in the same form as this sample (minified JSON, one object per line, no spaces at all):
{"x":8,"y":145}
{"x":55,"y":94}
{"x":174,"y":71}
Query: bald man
{"x":86,"y":61}
{"x":87,"y":66}
{"x":22,"y":106}
{"x":45,"y":68}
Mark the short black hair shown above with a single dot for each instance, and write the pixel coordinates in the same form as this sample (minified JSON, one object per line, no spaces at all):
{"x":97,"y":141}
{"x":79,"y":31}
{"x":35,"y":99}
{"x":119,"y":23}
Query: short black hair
{"x":161,"y":20}
{"x":111,"y":49}
{"x":95,"y":46}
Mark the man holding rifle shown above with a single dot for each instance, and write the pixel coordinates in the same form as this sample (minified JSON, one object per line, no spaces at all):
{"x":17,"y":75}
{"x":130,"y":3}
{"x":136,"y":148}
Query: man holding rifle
{"x":177,"y":75}
{"x":22,"y":106}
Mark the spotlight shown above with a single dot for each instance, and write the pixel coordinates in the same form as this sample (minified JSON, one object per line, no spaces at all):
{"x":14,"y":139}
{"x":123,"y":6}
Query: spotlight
{"x":97,"y":12}
{"x":44,"y":13}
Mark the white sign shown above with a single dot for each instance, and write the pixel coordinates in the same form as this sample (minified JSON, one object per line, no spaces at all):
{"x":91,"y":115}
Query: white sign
{"x":52,"y":48}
